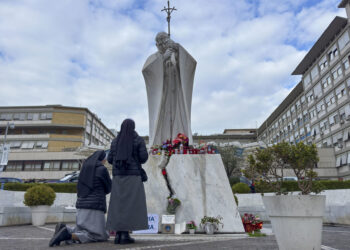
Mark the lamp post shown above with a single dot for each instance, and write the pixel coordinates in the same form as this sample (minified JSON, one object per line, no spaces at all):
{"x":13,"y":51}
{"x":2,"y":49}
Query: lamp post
{"x":11,"y":126}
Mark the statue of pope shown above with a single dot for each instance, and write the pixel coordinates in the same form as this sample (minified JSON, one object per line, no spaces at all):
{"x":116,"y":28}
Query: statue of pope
{"x":169,"y":75}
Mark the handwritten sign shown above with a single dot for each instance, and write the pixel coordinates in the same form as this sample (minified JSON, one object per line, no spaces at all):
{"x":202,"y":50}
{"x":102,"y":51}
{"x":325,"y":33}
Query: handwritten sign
{"x":153,"y":220}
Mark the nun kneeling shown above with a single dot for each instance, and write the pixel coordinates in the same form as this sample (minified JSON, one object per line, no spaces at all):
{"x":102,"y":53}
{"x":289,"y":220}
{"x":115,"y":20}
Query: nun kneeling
{"x":127,"y":206}
{"x":94,"y":184}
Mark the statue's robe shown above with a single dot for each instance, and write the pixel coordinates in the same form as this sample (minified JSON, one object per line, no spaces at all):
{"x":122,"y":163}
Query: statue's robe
{"x":169,"y":92}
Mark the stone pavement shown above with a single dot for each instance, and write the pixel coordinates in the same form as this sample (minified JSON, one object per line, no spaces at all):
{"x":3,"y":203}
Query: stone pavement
{"x":30,"y":237}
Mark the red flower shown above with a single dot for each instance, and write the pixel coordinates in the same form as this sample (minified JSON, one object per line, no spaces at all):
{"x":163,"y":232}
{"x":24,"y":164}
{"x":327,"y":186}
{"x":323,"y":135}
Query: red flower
{"x":163,"y":171}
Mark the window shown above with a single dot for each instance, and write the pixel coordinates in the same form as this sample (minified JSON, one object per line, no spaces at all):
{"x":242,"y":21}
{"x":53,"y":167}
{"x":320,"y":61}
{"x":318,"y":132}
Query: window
{"x":305,"y":116}
{"x":334,"y":119}
{"x":307,"y":80}
{"x":346,"y":135}
{"x":298,"y":105}
{"x":324,"y":125}
{"x":16,"y":116}
{"x":337,"y":72}
{"x":310,"y":96}
{"x":30,"y":116}
{"x":326,"y":82}
{"x":323,"y":63}
{"x":292,"y":109}
{"x":27,"y":145}
{"x":320,"y":106}
{"x":314,"y":72}
{"x":41,"y":144}
{"x":330,"y":99}
{"x":15,"y":144}
{"x":346,"y":63}
{"x":22,"y":116}
{"x":343,"y":40}
{"x":333,"y":53}
{"x":317,"y":90}
{"x":327,"y":142}
{"x":337,"y":139}
{"x":315,"y":130}
{"x":340,"y":91}
{"x":35,"y":116}
{"x":45,"y":116}
{"x":313,"y":112}
{"x":5,"y":117}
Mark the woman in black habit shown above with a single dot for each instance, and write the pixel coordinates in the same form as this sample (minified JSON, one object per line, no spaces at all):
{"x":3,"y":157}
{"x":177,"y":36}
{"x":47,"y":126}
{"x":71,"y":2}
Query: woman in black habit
{"x":127,"y":206}
{"x":94,"y":184}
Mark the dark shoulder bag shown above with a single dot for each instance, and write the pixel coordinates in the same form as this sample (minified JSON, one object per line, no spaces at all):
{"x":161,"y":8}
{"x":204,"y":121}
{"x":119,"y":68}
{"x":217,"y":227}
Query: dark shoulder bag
{"x":144,"y":176}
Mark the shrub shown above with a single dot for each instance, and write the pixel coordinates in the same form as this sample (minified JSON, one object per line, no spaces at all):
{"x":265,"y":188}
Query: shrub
{"x":39,"y":195}
{"x":233,"y":180}
{"x":241,"y":188}
{"x":57,"y":187}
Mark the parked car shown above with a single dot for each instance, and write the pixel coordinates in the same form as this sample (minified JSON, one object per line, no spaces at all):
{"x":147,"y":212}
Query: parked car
{"x":72,"y":177}
{"x":290,"y":178}
{"x":10,"y":179}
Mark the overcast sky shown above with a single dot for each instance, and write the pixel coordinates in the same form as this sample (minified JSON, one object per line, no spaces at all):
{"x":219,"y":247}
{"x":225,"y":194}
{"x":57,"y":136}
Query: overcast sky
{"x":91,"y":53}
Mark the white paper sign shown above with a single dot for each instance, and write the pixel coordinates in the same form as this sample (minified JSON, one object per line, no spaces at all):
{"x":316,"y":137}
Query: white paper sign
{"x":168,"y":219}
{"x":153,"y":221}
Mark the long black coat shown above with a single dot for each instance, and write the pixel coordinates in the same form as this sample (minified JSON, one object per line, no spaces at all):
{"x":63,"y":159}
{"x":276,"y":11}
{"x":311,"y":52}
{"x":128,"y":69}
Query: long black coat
{"x":96,"y":200}
{"x":139,"y":156}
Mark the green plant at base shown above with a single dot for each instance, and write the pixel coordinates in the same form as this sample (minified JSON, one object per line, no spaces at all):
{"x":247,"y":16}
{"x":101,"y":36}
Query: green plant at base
{"x":39,"y":195}
{"x":216,"y":221}
{"x":240,"y":188}
{"x":256,"y":234}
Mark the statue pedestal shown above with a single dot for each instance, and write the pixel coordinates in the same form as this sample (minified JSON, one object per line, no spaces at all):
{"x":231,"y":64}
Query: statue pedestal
{"x":200,"y":183}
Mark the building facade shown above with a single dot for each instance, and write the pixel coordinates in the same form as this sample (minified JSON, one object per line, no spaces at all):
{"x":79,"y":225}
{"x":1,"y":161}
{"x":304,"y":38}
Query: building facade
{"x":47,"y":139}
{"x":318,"y":109}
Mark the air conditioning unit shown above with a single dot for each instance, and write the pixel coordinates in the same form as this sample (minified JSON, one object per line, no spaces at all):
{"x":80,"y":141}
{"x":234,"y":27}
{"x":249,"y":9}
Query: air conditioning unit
{"x":341,"y":121}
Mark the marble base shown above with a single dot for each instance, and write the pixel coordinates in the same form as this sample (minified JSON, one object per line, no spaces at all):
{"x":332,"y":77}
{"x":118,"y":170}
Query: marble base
{"x":200,"y":183}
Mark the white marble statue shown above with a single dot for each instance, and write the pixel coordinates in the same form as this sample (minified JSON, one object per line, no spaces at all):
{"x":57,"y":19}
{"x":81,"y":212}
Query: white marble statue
{"x":169,"y":75}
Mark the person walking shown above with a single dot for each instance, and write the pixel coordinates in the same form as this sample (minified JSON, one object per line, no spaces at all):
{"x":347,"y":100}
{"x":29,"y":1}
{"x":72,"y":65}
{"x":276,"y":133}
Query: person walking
{"x":94,"y":184}
{"x":127,"y":206}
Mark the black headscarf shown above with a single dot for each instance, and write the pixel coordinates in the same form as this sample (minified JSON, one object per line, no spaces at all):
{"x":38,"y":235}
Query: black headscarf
{"x":125,"y":140}
{"x":87,"y":173}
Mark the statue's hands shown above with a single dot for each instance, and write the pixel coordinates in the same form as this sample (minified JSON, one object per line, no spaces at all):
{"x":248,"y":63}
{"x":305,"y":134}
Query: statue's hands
{"x":167,"y":54}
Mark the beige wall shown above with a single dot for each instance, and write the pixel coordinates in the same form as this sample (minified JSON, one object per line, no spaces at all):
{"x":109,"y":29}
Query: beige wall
{"x":68,"y":118}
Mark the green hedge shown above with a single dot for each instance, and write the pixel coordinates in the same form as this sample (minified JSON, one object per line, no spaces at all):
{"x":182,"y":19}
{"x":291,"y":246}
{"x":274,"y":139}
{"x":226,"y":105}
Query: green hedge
{"x":57,"y":187}
{"x":240,"y":188}
{"x":291,"y":186}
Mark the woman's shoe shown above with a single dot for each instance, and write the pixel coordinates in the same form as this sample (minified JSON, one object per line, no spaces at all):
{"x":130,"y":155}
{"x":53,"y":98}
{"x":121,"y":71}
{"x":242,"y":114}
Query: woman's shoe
{"x":117,"y":238}
{"x":125,"y":238}
{"x":62,"y":235}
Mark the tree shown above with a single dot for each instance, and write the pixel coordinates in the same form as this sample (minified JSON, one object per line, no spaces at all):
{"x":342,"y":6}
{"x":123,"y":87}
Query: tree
{"x":271,"y":162}
{"x":230,"y":160}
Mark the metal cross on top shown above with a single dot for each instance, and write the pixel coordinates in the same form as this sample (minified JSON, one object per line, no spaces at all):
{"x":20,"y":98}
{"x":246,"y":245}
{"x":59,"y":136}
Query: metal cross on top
{"x":168,"y":11}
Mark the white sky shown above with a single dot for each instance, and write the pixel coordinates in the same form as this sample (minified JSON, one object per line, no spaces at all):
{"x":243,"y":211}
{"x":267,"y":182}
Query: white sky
{"x":90,"y":54}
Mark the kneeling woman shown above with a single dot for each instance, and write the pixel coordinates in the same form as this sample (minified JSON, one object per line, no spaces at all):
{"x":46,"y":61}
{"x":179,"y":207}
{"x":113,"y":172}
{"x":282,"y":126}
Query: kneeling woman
{"x":94,"y":184}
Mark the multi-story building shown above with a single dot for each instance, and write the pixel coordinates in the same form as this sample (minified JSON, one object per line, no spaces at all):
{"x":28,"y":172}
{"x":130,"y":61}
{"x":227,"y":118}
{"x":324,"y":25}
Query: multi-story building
{"x":318,"y":109}
{"x":47,"y":139}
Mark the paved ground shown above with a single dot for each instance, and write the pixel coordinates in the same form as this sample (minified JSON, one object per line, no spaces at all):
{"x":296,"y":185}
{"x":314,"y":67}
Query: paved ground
{"x":30,"y":237}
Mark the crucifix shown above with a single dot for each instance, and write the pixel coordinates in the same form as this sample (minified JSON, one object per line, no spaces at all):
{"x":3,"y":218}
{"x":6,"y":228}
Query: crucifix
{"x":168,"y":11}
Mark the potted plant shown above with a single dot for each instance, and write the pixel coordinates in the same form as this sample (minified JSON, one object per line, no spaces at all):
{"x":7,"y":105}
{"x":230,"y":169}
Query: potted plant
{"x":191,"y":226}
{"x":296,"y":219}
{"x":251,"y":223}
{"x":211,"y":224}
{"x":173,"y":204}
{"x":39,"y":198}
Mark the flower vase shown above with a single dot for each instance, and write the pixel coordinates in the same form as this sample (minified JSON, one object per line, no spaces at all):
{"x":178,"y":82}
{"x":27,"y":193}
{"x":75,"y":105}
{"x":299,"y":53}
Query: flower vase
{"x":192,"y":231}
{"x":209,"y":228}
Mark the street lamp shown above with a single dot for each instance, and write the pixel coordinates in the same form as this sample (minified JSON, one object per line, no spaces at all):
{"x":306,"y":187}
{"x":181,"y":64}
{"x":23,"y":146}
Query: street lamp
{"x":11,"y":126}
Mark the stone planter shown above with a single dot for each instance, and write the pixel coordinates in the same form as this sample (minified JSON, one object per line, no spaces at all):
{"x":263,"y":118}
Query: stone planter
{"x":39,"y":214}
{"x":296,"y":220}
{"x":209,"y":228}
{"x":192,"y":231}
